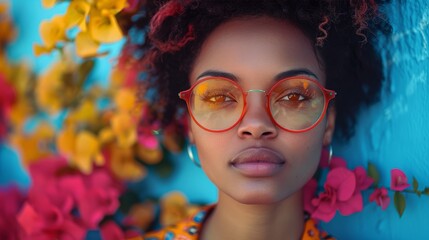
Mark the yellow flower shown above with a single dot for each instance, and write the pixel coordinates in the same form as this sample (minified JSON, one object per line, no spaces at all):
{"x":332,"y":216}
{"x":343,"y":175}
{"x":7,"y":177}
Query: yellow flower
{"x":7,"y":32}
{"x":124,"y":128}
{"x":53,"y":31}
{"x":123,"y":164}
{"x":85,"y":113}
{"x":174,"y":208}
{"x":106,"y":135}
{"x":149,"y":155}
{"x":20,"y":112}
{"x":40,"y":50}
{"x":117,"y":78}
{"x":110,"y":7}
{"x":87,"y":152}
{"x":85,"y":45}
{"x":50,"y":89}
{"x":77,"y":14}
{"x":34,"y":146}
{"x":48,"y":3}
{"x":104,"y":28}
{"x":125,"y":99}
{"x":82,"y":149}
{"x":142,"y":215}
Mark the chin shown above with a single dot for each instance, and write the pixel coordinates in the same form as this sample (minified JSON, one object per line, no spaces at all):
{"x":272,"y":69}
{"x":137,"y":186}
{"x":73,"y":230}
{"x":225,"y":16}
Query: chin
{"x":263,"y":197}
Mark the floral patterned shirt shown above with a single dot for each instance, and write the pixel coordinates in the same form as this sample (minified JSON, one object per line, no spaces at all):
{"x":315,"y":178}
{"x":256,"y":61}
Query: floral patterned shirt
{"x":189,"y":229}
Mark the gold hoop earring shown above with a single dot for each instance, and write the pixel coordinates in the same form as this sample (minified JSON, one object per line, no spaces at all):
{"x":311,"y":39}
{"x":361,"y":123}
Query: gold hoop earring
{"x":191,"y":155}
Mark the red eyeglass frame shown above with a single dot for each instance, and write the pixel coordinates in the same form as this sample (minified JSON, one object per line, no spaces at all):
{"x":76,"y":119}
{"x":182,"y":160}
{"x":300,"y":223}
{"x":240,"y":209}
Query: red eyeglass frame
{"x":328,"y":94}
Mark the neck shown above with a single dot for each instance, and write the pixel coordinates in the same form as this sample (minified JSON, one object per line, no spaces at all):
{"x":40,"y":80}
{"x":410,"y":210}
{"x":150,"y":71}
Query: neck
{"x":232,"y":220}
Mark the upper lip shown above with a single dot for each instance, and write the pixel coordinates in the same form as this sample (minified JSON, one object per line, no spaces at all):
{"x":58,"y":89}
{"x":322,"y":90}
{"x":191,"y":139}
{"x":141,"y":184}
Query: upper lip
{"x":257,"y":154}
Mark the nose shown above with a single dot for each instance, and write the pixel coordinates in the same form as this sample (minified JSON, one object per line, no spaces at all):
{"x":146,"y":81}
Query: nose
{"x":256,"y":122}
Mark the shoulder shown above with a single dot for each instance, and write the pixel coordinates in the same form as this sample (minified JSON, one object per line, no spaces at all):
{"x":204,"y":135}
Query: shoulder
{"x":188,"y":229}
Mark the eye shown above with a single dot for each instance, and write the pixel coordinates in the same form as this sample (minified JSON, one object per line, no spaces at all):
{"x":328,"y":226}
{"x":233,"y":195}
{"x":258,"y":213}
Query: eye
{"x":294,"y":97}
{"x":220,"y":99}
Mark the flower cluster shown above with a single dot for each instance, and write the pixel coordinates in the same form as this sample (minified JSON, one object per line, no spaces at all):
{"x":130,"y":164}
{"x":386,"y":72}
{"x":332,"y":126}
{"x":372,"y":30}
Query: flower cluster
{"x":342,"y":190}
{"x":58,"y":201}
{"x":80,"y":169}
{"x":95,"y":20}
{"x":12,"y":199}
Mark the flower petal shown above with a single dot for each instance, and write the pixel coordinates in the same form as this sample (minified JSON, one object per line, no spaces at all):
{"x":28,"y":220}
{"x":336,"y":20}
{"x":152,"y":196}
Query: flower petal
{"x":398,"y":180}
{"x":352,"y":205}
{"x":77,"y":13}
{"x":48,"y":3}
{"x":104,"y":29}
{"x":343,"y":180}
{"x":53,"y":31}
{"x":86,"y":46}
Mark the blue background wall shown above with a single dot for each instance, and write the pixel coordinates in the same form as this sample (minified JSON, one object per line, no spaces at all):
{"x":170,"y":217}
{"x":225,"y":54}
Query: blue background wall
{"x":391,"y":134}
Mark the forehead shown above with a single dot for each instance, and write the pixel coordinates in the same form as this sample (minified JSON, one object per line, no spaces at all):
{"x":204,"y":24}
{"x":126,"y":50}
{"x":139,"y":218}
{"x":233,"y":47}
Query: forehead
{"x":256,"y":48}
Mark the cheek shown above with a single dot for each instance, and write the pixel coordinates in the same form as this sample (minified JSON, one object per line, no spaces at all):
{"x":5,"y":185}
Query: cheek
{"x":303,"y":150}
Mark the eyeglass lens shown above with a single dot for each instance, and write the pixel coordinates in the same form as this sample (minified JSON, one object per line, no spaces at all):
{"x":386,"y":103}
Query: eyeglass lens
{"x":294,"y":104}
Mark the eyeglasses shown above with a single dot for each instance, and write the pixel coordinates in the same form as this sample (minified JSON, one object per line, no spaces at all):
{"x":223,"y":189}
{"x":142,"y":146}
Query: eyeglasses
{"x":295,"y":104}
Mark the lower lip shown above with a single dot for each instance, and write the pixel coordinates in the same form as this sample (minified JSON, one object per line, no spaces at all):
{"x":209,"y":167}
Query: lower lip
{"x":258,"y":169}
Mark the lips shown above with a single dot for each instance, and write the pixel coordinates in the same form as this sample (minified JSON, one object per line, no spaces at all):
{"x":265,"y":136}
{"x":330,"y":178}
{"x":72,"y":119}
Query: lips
{"x":258,"y":162}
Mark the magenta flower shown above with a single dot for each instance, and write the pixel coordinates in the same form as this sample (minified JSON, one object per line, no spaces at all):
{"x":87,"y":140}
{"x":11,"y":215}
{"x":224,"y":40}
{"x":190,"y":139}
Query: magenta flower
{"x":340,"y":194}
{"x":63,"y":203}
{"x":111,"y":231}
{"x":337,"y":162}
{"x":7,"y":99}
{"x":103,"y":192}
{"x":362,"y":180}
{"x":11,"y":201}
{"x":380,"y":197}
{"x":398,"y":180}
{"x":43,"y":220}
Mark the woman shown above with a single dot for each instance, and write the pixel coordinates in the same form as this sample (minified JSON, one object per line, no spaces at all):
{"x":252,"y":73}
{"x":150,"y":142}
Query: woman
{"x":259,"y":79}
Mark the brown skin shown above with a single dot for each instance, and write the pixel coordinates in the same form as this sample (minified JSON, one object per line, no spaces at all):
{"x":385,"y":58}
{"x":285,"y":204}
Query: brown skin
{"x":255,"y":50}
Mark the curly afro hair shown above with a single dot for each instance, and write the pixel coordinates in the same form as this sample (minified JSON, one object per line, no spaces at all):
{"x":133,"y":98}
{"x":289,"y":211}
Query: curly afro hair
{"x":342,"y":33}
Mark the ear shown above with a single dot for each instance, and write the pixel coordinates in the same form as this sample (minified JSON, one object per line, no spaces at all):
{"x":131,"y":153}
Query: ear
{"x":330,"y":126}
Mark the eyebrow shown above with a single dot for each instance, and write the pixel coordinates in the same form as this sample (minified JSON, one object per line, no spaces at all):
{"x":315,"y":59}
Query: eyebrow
{"x":213,"y":73}
{"x":280,"y":76}
{"x":295,"y":72}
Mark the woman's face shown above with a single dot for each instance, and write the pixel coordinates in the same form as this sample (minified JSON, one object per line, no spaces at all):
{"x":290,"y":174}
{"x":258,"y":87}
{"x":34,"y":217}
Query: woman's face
{"x":256,"y":162}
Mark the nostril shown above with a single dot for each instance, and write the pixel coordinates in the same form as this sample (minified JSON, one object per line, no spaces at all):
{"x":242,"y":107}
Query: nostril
{"x":267,"y":133}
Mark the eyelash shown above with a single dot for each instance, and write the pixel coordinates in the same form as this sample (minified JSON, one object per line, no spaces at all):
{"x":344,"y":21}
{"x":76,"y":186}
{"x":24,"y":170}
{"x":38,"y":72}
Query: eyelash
{"x":206,"y":96}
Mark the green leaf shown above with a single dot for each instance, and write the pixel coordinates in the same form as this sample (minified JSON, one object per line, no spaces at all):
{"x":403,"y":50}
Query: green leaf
{"x":399,"y":201}
{"x":426,"y":191}
{"x":373,"y":173}
{"x":415,"y":185}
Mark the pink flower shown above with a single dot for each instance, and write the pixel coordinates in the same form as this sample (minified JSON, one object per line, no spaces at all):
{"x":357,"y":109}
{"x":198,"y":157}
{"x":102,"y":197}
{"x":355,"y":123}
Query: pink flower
{"x":100,"y":198}
{"x":111,"y":231}
{"x":380,"y":197}
{"x":337,"y":162}
{"x":43,"y":220}
{"x":340,"y":194}
{"x":7,"y":94}
{"x":11,"y":201}
{"x":7,"y":99}
{"x":132,"y":6}
{"x":64,"y":202}
{"x":398,"y":180}
{"x":362,"y":180}
{"x":96,"y":203}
